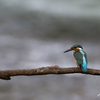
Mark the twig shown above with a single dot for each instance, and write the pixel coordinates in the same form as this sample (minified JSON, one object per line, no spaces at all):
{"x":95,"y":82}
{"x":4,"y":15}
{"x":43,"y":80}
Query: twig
{"x":6,"y":74}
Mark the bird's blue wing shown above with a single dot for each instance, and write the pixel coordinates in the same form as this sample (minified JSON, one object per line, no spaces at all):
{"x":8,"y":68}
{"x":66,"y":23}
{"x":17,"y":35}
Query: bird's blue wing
{"x":85,"y":56}
{"x":79,"y":57}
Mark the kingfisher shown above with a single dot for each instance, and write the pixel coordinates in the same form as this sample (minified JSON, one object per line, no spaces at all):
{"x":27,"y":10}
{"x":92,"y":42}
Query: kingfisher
{"x":80,"y":56}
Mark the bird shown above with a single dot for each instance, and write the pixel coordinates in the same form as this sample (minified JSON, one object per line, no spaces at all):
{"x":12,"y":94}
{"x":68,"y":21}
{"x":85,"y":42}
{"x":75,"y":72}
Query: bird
{"x":80,"y":56}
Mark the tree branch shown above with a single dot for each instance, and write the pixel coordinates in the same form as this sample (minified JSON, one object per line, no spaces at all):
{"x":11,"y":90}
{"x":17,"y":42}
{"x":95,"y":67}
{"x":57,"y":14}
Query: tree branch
{"x":45,"y":70}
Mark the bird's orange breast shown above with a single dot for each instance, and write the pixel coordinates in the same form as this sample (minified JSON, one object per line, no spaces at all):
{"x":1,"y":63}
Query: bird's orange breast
{"x":75,"y":61}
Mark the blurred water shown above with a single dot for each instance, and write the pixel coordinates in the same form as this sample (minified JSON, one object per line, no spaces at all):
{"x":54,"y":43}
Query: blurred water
{"x":89,"y":8}
{"x":35,"y":33}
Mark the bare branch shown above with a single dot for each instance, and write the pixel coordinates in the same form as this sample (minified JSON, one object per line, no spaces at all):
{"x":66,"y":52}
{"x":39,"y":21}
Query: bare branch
{"x":45,"y":70}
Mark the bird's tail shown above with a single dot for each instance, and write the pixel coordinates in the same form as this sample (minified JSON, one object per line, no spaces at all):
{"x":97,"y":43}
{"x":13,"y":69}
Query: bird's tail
{"x":84,"y":69}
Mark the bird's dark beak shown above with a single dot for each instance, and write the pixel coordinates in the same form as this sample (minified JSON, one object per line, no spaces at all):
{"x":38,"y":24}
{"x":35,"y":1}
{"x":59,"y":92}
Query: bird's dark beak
{"x":68,"y":50}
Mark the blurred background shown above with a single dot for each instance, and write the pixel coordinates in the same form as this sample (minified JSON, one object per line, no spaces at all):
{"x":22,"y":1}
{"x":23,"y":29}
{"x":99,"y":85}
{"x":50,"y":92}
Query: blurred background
{"x":34,"y":33}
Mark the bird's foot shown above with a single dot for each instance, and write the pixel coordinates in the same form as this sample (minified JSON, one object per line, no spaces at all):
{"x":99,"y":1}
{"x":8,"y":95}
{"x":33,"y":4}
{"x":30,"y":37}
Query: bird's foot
{"x":77,"y":67}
